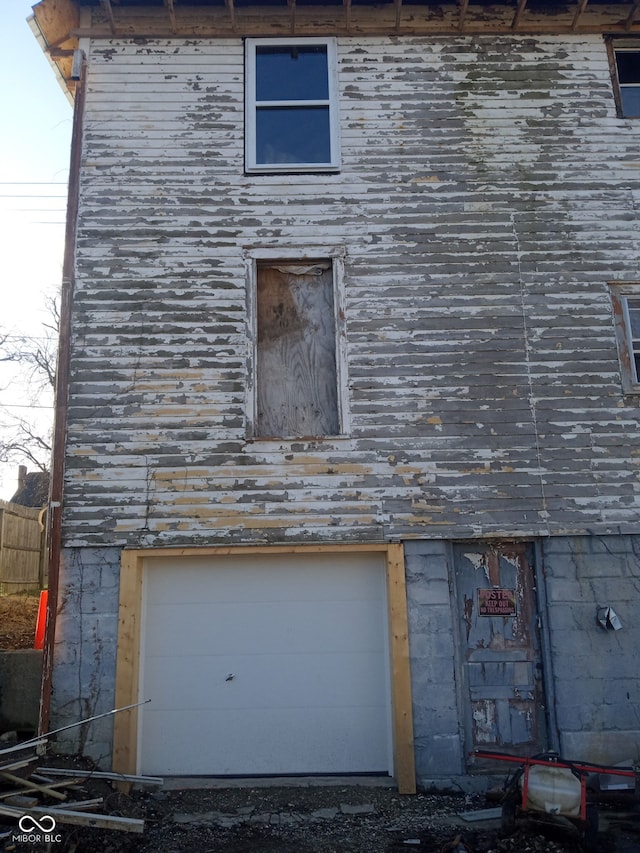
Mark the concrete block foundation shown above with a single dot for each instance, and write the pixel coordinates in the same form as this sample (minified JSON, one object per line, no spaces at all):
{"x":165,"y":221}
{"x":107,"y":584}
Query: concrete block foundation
{"x":591,"y":675}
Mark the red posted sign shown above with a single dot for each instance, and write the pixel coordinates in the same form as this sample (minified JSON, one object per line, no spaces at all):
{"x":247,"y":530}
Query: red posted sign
{"x":497,"y":602}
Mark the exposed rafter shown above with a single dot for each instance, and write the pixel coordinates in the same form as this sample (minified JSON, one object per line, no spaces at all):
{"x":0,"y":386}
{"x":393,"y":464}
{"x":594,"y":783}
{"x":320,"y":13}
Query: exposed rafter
{"x":398,"y":5}
{"x":280,"y":18}
{"x":108,"y":10}
{"x":347,"y":14}
{"x":172,"y":15}
{"x":522,"y":5}
{"x":292,"y":15}
{"x":231,"y":9}
{"x":582,"y":5}
{"x":464,"y":5}
{"x":632,"y":16}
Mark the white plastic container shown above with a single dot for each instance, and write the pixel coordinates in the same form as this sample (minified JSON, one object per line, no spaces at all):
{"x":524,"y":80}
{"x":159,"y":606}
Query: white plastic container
{"x":554,"y":790}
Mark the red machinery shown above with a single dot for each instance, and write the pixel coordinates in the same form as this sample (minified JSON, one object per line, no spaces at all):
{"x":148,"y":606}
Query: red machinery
{"x":547,"y":786}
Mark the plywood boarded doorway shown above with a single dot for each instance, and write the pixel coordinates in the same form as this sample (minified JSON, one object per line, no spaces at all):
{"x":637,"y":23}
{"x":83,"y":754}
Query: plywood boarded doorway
{"x":296,"y":373}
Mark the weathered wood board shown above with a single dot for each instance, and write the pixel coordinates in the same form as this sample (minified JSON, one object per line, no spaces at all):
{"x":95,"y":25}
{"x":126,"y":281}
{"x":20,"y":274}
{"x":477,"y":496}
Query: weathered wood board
{"x":487,"y":194}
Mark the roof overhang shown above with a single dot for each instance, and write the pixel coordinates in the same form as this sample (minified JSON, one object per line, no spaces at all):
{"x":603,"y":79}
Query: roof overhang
{"x":55,"y":24}
{"x":61,"y":23}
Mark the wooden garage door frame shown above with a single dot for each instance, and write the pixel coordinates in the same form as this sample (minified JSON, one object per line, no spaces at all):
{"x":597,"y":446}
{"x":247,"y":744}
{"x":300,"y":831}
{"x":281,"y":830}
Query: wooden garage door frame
{"x":125,"y":732}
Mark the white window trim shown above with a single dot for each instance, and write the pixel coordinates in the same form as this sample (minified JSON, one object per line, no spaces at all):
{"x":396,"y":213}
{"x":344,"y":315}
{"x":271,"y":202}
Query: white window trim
{"x":251,"y":258}
{"x":251,"y":166}
{"x":623,"y":46}
{"x":620,"y":293}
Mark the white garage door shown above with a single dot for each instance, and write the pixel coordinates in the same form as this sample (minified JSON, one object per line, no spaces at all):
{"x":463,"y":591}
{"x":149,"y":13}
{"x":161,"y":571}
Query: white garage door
{"x":265,"y":664}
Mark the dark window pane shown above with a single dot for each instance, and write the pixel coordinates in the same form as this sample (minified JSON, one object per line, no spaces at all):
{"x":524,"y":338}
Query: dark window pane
{"x":636,"y":361}
{"x":634,"y":322}
{"x":293,"y":135}
{"x":292,"y":73}
{"x":630,"y":101}
{"x":628,"y":66}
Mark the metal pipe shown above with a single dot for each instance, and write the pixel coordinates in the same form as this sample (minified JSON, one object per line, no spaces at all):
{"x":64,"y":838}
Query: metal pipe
{"x":56,"y":489}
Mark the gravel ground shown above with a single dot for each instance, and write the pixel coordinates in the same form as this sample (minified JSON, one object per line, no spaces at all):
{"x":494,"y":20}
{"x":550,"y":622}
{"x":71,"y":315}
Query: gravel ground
{"x":331,"y":819}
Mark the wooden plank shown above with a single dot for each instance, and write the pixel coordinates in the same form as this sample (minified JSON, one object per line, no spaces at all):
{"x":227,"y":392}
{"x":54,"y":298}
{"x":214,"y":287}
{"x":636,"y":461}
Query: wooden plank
{"x":172,"y":14}
{"x":398,"y":5}
{"x":464,"y":5}
{"x":21,"y":545}
{"x":62,"y":815}
{"x":56,"y":19}
{"x":230,"y":4}
{"x":125,"y":726}
{"x":518,"y":14}
{"x":34,"y":786}
{"x":582,"y":5}
{"x":292,"y":15}
{"x":225,"y":550}
{"x":400,"y":671}
{"x":296,"y":351}
{"x":108,"y":9}
{"x":81,"y":805}
{"x":347,"y":15}
{"x":212,"y":21}
{"x":631,"y":19}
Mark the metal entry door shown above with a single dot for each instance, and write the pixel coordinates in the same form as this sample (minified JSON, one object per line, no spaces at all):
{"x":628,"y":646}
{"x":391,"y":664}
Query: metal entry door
{"x":501,"y":650}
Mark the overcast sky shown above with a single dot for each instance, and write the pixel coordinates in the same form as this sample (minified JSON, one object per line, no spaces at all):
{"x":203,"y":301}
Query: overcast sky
{"x":34,"y":165}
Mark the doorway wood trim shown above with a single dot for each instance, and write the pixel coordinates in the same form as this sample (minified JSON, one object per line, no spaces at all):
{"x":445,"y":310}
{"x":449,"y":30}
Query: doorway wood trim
{"x":125,"y":732}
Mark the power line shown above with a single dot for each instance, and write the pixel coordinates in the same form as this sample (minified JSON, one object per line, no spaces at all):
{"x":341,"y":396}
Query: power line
{"x":24,"y":406}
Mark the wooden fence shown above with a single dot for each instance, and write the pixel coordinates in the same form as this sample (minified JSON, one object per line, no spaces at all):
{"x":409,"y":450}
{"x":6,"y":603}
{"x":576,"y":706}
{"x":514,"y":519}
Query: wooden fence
{"x":21,"y":548}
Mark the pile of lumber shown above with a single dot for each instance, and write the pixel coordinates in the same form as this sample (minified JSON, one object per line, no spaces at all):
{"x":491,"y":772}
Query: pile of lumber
{"x":29,"y":793}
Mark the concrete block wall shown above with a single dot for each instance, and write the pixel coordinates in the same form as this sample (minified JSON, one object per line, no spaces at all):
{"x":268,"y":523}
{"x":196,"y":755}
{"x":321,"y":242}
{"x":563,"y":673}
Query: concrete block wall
{"x":85,"y":650}
{"x":20,"y":677}
{"x":596,"y":672}
{"x":437,"y":734}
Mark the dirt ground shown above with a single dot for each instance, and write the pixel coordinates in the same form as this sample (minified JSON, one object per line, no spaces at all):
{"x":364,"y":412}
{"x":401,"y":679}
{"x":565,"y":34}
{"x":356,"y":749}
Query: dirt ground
{"x":308,"y":819}
{"x":18,"y":616}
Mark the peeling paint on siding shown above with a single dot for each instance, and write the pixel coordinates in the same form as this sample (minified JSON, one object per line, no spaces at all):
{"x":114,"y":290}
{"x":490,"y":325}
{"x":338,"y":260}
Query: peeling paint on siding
{"x":487,"y":194}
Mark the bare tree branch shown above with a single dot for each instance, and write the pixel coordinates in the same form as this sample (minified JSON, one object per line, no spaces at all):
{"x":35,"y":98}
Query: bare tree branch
{"x":26,"y":438}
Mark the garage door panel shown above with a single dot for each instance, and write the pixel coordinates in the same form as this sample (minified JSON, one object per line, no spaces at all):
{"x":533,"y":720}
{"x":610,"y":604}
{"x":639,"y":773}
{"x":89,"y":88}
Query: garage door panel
{"x":265,"y":681}
{"x":305,"y":643}
{"x":274,"y":625}
{"x":248,"y":578}
{"x":255,"y":741}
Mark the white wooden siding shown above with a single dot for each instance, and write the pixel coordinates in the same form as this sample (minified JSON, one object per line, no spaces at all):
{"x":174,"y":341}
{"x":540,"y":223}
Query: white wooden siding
{"x":487,"y":194}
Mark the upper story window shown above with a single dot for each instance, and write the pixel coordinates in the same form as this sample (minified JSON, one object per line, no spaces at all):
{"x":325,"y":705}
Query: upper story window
{"x":626,"y":310}
{"x":628,"y":80}
{"x":291,"y":105}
